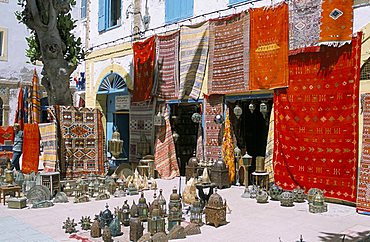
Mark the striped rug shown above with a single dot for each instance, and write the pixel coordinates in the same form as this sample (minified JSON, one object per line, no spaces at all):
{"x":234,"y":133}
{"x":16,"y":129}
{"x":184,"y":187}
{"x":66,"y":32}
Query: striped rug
{"x":48,"y":133}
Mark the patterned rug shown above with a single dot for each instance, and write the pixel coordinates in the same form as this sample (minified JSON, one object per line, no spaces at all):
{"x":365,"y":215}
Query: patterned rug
{"x":270,"y":148}
{"x":229,"y":54}
{"x":304,"y":23}
{"x":165,"y":154}
{"x":316,"y":122}
{"x":193,"y":59}
{"x":48,"y":133}
{"x":34,"y":108}
{"x":6,"y":134}
{"x":363,"y":195}
{"x":213,"y":131}
{"x":144,"y":59}
{"x":336,"y":20}
{"x":269,"y":47}
{"x":141,"y":129}
{"x":168,"y":56}
{"x":82,"y":141}
{"x":31,"y":148}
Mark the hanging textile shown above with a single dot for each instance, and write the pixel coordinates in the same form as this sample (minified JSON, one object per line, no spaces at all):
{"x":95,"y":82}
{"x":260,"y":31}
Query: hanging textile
{"x":229,"y":54}
{"x":269,"y":47}
{"x":144,"y":59}
{"x":213,"y":132}
{"x":26,"y":99}
{"x":34,"y":101}
{"x":49,"y":146}
{"x":168,"y":68}
{"x":82,"y":141}
{"x":336,"y":20}
{"x":316,"y":122}
{"x":165,"y":160}
{"x":19,"y":113}
{"x":228,"y":148}
{"x":193,"y":59}
{"x":31,"y":148}
{"x":363,"y":195}
{"x":270,"y":148}
{"x":6,"y":135}
{"x":304,"y":23}
{"x":200,"y":152}
{"x":141,"y":129}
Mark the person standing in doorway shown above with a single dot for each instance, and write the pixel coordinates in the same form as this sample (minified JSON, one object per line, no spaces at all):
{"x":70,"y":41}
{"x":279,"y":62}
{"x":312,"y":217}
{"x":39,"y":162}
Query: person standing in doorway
{"x":17,"y":146}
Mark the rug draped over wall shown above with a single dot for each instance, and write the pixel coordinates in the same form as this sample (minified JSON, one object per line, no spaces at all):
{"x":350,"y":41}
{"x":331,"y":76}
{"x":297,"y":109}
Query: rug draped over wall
{"x":269,"y":47}
{"x":229,"y":54}
{"x":194,"y":42}
{"x":31,"y":148}
{"x":316,"y":122}
{"x":82,"y":141}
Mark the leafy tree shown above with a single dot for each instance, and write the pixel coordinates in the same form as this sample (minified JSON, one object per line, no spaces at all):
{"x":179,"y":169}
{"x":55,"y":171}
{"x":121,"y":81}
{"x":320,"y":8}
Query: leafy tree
{"x":52,"y":42}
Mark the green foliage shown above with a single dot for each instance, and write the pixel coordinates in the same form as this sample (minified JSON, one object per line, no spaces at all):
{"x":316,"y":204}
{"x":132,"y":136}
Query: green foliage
{"x":73,"y":52}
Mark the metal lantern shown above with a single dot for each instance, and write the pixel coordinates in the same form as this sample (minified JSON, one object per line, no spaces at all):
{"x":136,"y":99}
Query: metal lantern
{"x":220,"y":173}
{"x":162,"y":204}
{"x":136,"y":229}
{"x":215,"y":210}
{"x":219,"y":119}
{"x":263,"y":109}
{"x":191,"y":167}
{"x":91,"y":189}
{"x":143,"y":208}
{"x":175,"y":136}
{"x":174,"y":209}
{"x":238,"y":111}
{"x":299,"y":195}
{"x":275,"y":191}
{"x":287,"y":199}
{"x":247,"y":162}
{"x":318,"y":204}
{"x":196,"y":118}
{"x":262,"y":196}
{"x":156,"y":222}
{"x":125,"y":214}
{"x":312,"y":192}
{"x":105,"y":217}
{"x":252,"y":107}
{"x":196,"y":213}
{"x":115,"y":145}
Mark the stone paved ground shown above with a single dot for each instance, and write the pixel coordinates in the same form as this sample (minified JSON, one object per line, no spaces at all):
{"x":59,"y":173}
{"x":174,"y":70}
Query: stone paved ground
{"x":248,"y":221}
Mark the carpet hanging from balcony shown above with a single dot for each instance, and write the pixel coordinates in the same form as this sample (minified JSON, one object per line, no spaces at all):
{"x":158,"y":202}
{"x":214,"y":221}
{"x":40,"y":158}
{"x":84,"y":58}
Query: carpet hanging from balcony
{"x":168,"y":68}
{"x":194,"y":42}
{"x":31,"y":148}
{"x":229,"y":54}
{"x":316,"y":122}
{"x":269,"y":47}
{"x":363,"y":195}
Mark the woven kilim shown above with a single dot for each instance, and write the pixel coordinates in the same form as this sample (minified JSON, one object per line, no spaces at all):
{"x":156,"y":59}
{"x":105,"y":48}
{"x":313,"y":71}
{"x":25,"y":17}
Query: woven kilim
{"x":193,"y":59}
{"x":168,"y":56}
{"x":363,"y":195}
{"x":213,"y":133}
{"x":82,"y":141}
{"x":269,"y":47}
{"x":229,"y":54}
{"x":6,"y":134}
{"x":144,"y":59}
{"x":165,"y":154}
{"x":316,"y":122}
{"x":228,"y":148}
{"x":141,"y":129}
{"x":19,"y":112}
{"x":31,"y":148}
{"x":336,"y":20}
{"x":304,"y":23}
{"x":270,"y":148}
{"x":48,"y":133}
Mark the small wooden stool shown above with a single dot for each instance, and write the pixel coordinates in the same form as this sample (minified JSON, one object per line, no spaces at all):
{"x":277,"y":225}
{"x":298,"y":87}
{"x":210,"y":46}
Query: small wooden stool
{"x":5,"y":190}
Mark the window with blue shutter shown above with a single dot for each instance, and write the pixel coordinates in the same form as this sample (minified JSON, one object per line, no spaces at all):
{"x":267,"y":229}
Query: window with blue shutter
{"x":101,"y":15}
{"x":231,"y":2}
{"x":83,"y":8}
{"x":177,"y":10}
{"x":109,"y":14}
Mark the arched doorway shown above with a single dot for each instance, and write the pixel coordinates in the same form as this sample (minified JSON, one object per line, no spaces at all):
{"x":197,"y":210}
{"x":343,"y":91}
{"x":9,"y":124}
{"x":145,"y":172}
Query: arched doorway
{"x":113,"y":90}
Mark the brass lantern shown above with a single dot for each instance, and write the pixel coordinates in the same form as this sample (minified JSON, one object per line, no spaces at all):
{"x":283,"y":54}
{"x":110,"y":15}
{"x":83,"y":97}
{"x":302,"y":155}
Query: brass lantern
{"x":238,"y":111}
{"x":156,"y":222}
{"x":126,"y":214}
{"x":174,"y":209}
{"x":115,"y":145}
{"x":196,"y":213}
{"x":215,"y":210}
{"x":162,"y":204}
{"x":136,"y":226}
{"x":143,"y":208}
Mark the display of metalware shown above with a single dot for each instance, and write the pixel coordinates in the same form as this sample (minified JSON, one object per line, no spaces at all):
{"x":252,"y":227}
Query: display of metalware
{"x":215,"y":210}
{"x":156,"y":223}
{"x":68,"y":189}
{"x":60,"y":197}
{"x":237,"y":155}
{"x":95,"y":229}
{"x":275,"y":191}
{"x":246,"y":163}
{"x":177,"y":232}
{"x":260,"y":164}
{"x":312,"y":193}
{"x":162,"y":203}
{"x":318,"y":204}
{"x":175,"y":200}
{"x":287,"y":199}
{"x":174,"y":209}
{"x":190,"y":192}
{"x":136,"y":228}
{"x":262,"y":196}
{"x":299,"y":195}
{"x":143,"y":208}
{"x":205,"y":177}
{"x":91,"y":189}
{"x":196,"y":213}
{"x":115,"y":145}
{"x":196,"y":117}
{"x":253,"y":189}
{"x":191,"y":168}
{"x":105,"y":217}
{"x":220,"y":174}
{"x":69,"y":226}
{"x":246,"y":193}
{"x":85,"y":223}
{"x":115,"y":227}
{"x":9,"y":175}
{"x":111,"y":185}
{"x":132,"y":190}
{"x":107,"y":235}
{"x":125,"y":214}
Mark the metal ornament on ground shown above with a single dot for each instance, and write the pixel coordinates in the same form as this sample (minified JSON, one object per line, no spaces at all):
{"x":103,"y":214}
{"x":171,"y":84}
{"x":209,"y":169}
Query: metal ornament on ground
{"x":125,"y":214}
{"x":196,"y":213}
{"x":262,"y":196}
{"x":299,"y":195}
{"x":275,"y":191}
{"x":215,"y":210}
{"x":318,"y":204}
{"x":143,"y":208}
{"x":287,"y":199}
{"x":69,"y":226}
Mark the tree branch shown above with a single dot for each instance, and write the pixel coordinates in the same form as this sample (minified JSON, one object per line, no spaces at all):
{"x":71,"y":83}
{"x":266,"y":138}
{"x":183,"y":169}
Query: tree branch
{"x":35,"y":14}
{"x":53,"y":15}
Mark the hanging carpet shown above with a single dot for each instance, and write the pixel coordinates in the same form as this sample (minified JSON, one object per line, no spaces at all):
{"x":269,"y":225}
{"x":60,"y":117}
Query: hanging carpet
{"x":213,"y":131}
{"x":270,"y":148}
{"x":304,"y":23}
{"x":194,"y":42}
{"x":316,"y":122}
{"x":228,"y":148}
{"x":363,"y":195}
{"x":167,"y":57}
{"x":144,"y":59}
{"x":82,"y":141}
{"x":336,"y":20}
{"x":165,"y":154}
{"x":31,"y":148}
{"x":229,"y":54}
{"x":48,"y":133}
{"x":269,"y":47}
{"x":34,"y":109}
{"x":6,"y":134}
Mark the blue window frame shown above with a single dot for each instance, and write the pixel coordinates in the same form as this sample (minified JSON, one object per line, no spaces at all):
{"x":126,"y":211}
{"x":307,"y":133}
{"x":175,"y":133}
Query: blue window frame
{"x":238,"y":1}
{"x":178,"y":9}
{"x":83,"y":8}
{"x":109,"y":14}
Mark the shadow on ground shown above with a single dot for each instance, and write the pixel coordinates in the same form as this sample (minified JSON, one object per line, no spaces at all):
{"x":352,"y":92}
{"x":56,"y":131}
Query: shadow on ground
{"x":358,"y":237}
